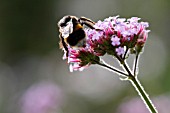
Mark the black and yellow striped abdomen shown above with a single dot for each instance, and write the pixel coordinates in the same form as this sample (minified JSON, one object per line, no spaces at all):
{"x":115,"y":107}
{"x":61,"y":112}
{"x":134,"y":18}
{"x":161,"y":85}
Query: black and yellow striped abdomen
{"x":75,"y":37}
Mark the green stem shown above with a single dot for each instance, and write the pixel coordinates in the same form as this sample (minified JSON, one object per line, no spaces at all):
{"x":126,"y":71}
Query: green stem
{"x":127,"y":68}
{"x":139,"y":88}
{"x":135,"y":82}
{"x":124,"y":57}
{"x":136,"y":64}
{"x":103,"y":64}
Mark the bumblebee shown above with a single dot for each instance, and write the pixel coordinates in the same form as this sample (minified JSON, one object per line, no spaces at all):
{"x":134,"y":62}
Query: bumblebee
{"x":72,"y":32}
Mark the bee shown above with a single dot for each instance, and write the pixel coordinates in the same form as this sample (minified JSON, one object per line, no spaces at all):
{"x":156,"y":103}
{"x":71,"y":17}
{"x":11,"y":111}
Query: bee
{"x":72,"y":31}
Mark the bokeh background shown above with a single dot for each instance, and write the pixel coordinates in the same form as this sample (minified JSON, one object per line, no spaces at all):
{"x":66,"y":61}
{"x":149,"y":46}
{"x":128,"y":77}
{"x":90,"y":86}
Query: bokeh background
{"x":35,"y":79}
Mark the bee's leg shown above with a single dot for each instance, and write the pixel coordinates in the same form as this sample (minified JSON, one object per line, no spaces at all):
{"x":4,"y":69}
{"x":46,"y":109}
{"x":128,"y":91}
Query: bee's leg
{"x":63,"y":45}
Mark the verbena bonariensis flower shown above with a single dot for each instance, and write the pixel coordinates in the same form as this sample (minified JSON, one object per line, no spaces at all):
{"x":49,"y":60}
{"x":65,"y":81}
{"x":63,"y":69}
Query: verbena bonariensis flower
{"x":81,"y":58}
{"x":118,"y":37}
{"x":113,"y":36}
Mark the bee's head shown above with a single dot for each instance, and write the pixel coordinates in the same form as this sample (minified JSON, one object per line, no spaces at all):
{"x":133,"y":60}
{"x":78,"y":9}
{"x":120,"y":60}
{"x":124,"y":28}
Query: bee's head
{"x":66,"y":19}
{"x":66,"y":25}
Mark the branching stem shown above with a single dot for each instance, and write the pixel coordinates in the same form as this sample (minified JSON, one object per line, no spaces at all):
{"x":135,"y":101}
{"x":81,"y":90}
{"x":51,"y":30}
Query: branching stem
{"x":103,"y":64}
{"x":135,"y":82}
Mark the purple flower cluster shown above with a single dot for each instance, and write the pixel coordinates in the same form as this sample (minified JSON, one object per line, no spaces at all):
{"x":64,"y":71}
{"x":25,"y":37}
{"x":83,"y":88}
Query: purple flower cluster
{"x":81,"y":58}
{"x":41,"y":98}
{"x":114,"y":36}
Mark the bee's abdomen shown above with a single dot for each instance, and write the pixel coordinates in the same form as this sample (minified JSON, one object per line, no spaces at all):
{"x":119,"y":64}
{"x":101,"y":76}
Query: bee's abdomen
{"x":75,"y":37}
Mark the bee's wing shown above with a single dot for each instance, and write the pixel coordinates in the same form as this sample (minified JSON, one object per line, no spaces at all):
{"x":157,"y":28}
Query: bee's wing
{"x":87,"y":22}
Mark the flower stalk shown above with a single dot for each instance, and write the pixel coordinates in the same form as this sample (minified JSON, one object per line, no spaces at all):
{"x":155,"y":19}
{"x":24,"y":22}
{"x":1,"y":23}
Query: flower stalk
{"x":135,"y":64}
{"x":144,"y":96}
{"x":136,"y":84}
{"x":113,"y":69}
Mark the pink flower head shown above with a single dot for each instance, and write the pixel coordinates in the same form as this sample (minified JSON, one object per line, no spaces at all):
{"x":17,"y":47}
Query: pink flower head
{"x":115,"y":40}
{"x":81,"y":58}
{"x":120,"y":51}
{"x":109,"y":36}
{"x":102,"y":25}
{"x":41,"y":98}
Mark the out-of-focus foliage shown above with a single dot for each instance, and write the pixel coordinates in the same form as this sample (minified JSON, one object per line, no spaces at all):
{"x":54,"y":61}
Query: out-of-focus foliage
{"x":29,"y":54}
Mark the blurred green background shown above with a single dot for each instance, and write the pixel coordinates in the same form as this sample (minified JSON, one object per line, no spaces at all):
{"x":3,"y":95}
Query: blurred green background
{"x":29,"y":54}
